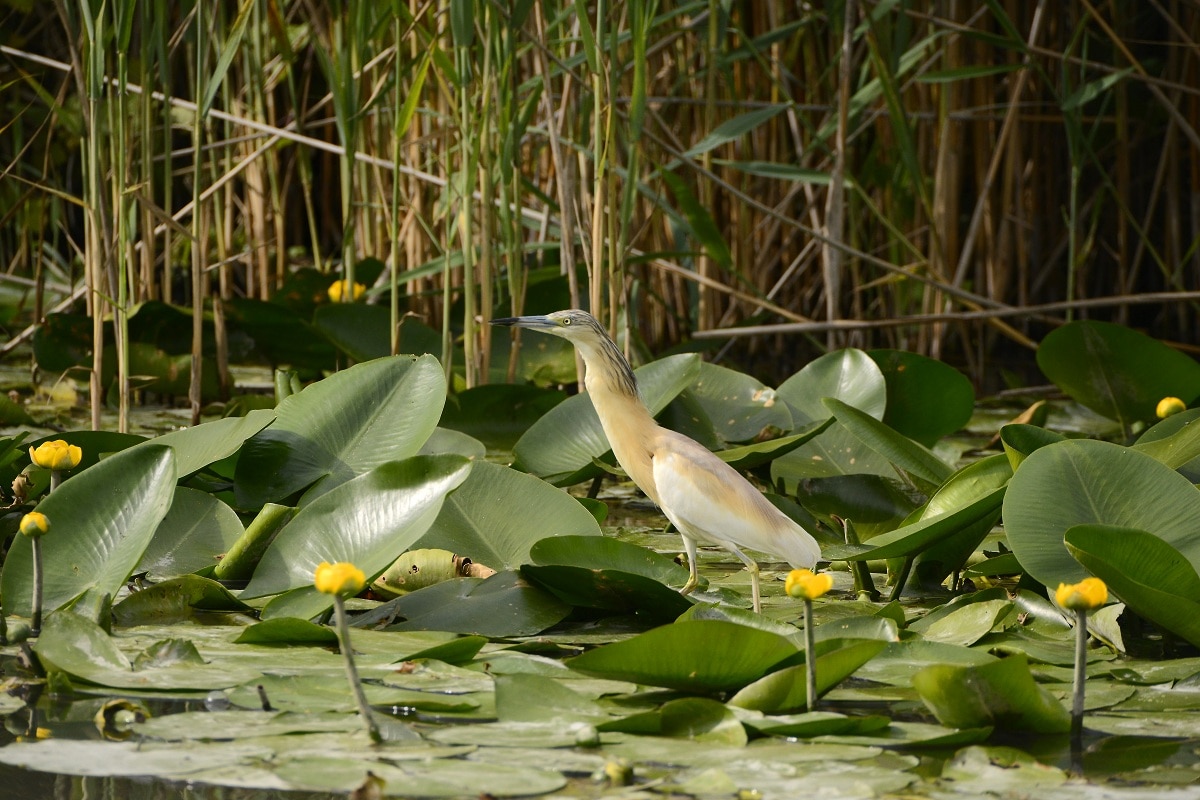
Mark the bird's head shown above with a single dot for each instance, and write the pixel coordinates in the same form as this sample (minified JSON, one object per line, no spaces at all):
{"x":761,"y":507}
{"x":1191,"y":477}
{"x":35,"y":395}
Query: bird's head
{"x":573,"y":325}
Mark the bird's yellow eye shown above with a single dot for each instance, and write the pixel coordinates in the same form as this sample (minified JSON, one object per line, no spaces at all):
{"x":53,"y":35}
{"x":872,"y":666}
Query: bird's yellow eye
{"x":567,"y":321}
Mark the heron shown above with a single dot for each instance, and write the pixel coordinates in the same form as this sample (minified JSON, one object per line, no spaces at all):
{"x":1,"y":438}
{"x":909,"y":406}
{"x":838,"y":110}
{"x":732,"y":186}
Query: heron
{"x":708,"y":501}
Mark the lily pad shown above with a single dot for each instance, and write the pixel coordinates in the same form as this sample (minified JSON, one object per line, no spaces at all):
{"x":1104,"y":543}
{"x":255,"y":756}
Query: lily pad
{"x":900,"y":451}
{"x":498,"y":513}
{"x":606,"y":573}
{"x":174,"y":600}
{"x":1154,"y":579}
{"x":101,"y":521}
{"x":695,"y":718}
{"x":926,"y":399}
{"x":342,"y":426}
{"x":694,"y":655}
{"x":786,"y":689}
{"x":196,"y":532}
{"x":1001,"y":694}
{"x":204,"y":444}
{"x":739,"y":406}
{"x":502,"y":605}
{"x":367,"y":521}
{"x":817,"y":723}
{"x":1080,"y":482}
{"x":1116,"y":371}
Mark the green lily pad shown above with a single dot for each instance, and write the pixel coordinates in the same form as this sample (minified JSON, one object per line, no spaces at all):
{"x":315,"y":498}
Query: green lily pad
{"x":74,"y":645}
{"x":1116,"y":371}
{"x":923,"y":534}
{"x":196,"y":532}
{"x":1175,"y":441}
{"x":694,"y":655}
{"x":926,"y":399}
{"x":288,"y":630}
{"x":848,"y":375}
{"x":695,"y":718}
{"x":1019,"y":440}
{"x":201,"y":445}
{"x":498,"y":414}
{"x":817,"y":723}
{"x":606,"y":573}
{"x":739,"y":406}
{"x":234,"y":724}
{"x":175,"y":600}
{"x":900,"y":451}
{"x":535,"y":698}
{"x":1001,"y":694}
{"x":101,"y":521}
{"x":1080,"y":482}
{"x":361,"y":331}
{"x":1154,"y":579}
{"x":342,"y":426}
{"x":786,"y":689}
{"x":367,"y":521}
{"x":497,"y":515}
{"x":967,"y":624}
{"x":314,"y":693}
{"x":502,"y":605}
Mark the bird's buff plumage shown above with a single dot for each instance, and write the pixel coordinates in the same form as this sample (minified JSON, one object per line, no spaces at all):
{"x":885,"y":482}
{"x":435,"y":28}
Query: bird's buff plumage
{"x":705,"y":498}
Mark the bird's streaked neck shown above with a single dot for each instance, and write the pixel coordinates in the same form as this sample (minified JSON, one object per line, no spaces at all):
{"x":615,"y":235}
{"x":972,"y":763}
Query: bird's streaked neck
{"x":604,"y":357}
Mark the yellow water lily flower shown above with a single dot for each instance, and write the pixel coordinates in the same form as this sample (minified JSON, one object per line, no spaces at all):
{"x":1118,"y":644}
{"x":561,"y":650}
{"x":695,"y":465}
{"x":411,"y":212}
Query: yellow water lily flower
{"x":342,"y":578}
{"x":34,"y":524}
{"x":1168,"y":406}
{"x":1089,"y":593}
{"x":56,"y":455}
{"x":337,"y":290}
{"x":803,"y":584}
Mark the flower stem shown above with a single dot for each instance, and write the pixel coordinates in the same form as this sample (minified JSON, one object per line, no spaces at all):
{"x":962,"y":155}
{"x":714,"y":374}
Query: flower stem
{"x":56,"y":477}
{"x":35,"y":623}
{"x":810,"y":657}
{"x":360,"y":698}
{"x":1081,"y":638}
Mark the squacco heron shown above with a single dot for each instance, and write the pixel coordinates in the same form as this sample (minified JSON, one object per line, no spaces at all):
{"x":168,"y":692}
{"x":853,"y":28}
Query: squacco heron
{"x":707,"y":500}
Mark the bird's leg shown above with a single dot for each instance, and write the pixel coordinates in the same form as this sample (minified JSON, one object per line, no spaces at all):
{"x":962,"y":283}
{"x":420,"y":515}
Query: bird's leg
{"x":752,"y":566}
{"x":693,"y":576}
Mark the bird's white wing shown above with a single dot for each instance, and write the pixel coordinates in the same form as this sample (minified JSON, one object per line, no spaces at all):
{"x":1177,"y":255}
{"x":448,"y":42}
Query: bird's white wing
{"x":711,"y":502}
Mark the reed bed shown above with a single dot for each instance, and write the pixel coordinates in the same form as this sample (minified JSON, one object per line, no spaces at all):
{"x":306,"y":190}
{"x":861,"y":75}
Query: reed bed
{"x":771,"y":179}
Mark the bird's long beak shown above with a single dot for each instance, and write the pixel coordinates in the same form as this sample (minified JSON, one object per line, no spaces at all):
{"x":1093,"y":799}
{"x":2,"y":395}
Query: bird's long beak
{"x":526,"y":322}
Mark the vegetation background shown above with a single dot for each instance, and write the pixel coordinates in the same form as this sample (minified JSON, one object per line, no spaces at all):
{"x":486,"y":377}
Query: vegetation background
{"x":952,"y":178}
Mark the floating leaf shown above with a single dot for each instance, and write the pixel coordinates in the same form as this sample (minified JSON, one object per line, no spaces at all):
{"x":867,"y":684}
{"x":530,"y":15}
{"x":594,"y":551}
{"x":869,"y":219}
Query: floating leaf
{"x":342,"y":426}
{"x":197,"y":530}
{"x":1002,"y":693}
{"x":605,"y":573}
{"x":926,"y":399}
{"x":102,"y":521}
{"x":786,"y":690}
{"x":174,"y":600}
{"x":695,"y":718}
{"x":900,"y":451}
{"x":1079,"y":482}
{"x":1153,"y":578}
{"x":204,"y":444}
{"x":1116,"y":371}
{"x":368,"y":522}
{"x":499,"y":606}
{"x":497,"y":515}
{"x":739,"y":406}
{"x":694,"y":655}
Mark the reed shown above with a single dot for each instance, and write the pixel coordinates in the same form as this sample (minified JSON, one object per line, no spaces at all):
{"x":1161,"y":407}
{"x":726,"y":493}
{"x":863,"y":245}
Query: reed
{"x":709,"y":166}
